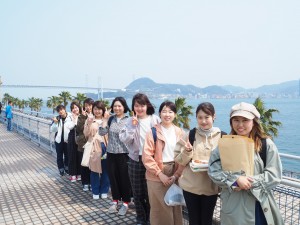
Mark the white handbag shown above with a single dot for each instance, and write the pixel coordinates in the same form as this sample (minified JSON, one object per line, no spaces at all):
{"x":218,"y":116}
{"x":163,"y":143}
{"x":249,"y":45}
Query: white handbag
{"x":86,"y":154}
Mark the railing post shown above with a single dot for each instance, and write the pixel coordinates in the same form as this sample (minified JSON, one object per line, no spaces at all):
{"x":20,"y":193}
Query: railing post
{"x":50,"y":141}
{"x":29,"y":127}
{"x":38,"y":132}
{"x":23,"y":125}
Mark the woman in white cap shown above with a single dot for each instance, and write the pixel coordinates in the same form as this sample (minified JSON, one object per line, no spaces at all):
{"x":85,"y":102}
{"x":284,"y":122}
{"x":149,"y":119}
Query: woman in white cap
{"x":249,"y":200}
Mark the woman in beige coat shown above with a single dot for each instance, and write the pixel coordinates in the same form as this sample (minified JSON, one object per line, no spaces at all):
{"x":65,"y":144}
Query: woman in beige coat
{"x":99,"y":177}
{"x":199,"y":191}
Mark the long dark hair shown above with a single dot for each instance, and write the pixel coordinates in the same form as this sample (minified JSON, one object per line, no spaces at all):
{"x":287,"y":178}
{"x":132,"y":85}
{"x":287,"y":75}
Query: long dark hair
{"x":143,"y":99}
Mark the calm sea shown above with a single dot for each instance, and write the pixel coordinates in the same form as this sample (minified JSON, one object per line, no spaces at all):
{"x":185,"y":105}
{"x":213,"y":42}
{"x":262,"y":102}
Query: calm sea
{"x":288,"y":140}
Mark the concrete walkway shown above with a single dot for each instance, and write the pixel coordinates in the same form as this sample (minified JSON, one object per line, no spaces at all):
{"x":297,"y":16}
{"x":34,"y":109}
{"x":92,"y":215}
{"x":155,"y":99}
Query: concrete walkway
{"x":32,"y":191}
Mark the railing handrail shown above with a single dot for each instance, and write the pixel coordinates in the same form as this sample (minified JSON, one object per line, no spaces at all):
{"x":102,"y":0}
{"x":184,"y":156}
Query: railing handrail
{"x":289,"y":156}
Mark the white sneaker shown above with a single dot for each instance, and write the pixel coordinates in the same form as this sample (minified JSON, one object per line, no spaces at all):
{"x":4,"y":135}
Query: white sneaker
{"x":123,"y":210}
{"x":104,"y":196}
{"x":95,"y":196}
{"x":85,"y":187}
{"x":113,"y":208}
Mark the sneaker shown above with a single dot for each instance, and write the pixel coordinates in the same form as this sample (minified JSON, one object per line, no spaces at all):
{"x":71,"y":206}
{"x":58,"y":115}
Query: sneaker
{"x":61,"y":172}
{"x":67,"y":172}
{"x":85,"y":187}
{"x":95,"y":196}
{"x":73,"y":179}
{"x":131,"y":204}
{"x":78,"y":177}
{"x":113,"y":208}
{"x":104,"y":196}
{"x":123,"y":210}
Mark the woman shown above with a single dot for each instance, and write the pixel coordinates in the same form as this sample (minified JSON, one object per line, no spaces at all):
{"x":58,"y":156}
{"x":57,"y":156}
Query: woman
{"x":200,"y":193}
{"x":161,"y":170}
{"x":117,"y":156}
{"x":249,"y":200}
{"x":73,"y":154}
{"x":133,"y":135}
{"x":61,"y":138}
{"x":97,"y":164}
{"x":81,"y":140}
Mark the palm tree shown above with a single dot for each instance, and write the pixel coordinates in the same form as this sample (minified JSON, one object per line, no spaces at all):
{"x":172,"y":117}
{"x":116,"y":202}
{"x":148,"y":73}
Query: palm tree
{"x":80,"y":97}
{"x":6,"y":97}
{"x":38,"y":104}
{"x":22,"y":104}
{"x":66,"y":96}
{"x":183,"y":113}
{"x":266,"y":118}
{"x":53,"y":101}
{"x":31,"y":103}
{"x":105,"y":102}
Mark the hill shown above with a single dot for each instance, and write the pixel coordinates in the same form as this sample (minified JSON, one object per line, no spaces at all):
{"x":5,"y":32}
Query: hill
{"x":159,"y":90}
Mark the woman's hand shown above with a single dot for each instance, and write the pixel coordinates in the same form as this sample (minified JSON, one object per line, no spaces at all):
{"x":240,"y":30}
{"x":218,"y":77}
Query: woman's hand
{"x":107,"y":114}
{"x":134,"y":119}
{"x":167,"y":181}
{"x":54,"y":119}
{"x":244,"y":183}
{"x":188,"y":146}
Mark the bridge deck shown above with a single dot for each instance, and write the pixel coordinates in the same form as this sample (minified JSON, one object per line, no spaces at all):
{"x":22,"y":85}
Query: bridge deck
{"x":32,"y":191}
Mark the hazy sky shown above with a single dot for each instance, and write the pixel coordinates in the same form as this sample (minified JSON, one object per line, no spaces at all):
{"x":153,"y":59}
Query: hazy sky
{"x":74,"y":43}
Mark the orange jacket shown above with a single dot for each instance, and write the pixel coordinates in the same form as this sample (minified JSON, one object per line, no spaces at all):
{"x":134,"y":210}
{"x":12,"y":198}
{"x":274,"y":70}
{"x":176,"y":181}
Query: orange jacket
{"x":152,"y":154}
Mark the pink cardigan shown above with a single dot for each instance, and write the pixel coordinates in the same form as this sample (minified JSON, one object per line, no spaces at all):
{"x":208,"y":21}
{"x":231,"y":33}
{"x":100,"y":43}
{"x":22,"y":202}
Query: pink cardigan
{"x":152,"y":155}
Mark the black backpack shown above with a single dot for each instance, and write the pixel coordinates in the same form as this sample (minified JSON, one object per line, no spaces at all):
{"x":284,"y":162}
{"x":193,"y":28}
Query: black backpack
{"x":192,"y":135}
{"x":109,"y":120}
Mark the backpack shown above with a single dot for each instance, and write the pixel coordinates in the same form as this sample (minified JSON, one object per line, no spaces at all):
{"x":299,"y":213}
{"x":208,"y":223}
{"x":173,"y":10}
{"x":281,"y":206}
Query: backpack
{"x":153,"y":129}
{"x":193,"y":133}
{"x":109,"y":120}
{"x":263,"y":152}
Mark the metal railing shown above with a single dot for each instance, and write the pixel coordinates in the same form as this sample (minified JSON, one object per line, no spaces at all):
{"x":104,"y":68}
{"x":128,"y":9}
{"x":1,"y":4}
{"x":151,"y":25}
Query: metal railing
{"x":287,"y":194}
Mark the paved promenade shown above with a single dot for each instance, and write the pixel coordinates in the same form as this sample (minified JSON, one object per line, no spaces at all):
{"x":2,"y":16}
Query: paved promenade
{"x":32,"y":191}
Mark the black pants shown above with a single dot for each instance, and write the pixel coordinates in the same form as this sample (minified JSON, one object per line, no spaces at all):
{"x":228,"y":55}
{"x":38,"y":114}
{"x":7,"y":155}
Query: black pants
{"x":62,"y":155}
{"x":85,"y":171}
{"x":200,"y":208}
{"x":117,"y":169}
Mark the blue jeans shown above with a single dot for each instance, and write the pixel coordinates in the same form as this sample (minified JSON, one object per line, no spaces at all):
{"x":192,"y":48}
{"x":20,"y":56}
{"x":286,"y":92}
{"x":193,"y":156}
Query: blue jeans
{"x":100,"y":182}
{"x":62,"y":155}
{"x":9,"y":124}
